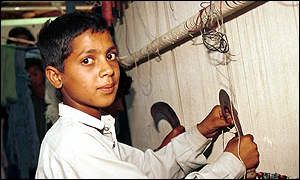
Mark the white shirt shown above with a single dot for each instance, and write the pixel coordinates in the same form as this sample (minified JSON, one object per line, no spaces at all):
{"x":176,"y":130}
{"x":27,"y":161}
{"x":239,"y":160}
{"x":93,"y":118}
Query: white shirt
{"x":81,"y":146}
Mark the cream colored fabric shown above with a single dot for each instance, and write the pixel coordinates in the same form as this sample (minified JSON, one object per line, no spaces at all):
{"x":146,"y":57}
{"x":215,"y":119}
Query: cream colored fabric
{"x":81,"y":146}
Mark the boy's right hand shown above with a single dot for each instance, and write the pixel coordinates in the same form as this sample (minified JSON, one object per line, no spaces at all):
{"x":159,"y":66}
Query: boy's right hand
{"x":248,"y":150}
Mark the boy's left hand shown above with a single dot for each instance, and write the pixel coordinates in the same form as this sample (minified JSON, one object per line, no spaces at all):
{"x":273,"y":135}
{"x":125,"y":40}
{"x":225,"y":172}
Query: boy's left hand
{"x":214,"y":122}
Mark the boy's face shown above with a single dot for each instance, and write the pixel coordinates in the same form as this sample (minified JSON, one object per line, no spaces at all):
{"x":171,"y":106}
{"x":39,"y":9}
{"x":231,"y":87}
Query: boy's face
{"x":91,"y":73}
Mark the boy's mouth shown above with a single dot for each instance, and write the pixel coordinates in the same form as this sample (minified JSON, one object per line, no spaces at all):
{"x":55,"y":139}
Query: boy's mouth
{"x":107,"y":89}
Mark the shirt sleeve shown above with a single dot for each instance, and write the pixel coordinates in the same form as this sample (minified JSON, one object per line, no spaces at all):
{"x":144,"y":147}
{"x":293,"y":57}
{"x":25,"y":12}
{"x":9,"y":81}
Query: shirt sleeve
{"x":179,"y":157}
{"x":227,"y":166}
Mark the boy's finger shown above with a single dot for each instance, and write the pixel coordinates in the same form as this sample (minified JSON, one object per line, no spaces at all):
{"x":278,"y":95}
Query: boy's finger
{"x":228,"y":117}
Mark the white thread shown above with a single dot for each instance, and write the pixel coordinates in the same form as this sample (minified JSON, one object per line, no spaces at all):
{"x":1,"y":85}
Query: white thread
{"x":232,"y":93}
{"x":126,"y":35}
{"x":173,"y":59}
{"x":159,"y":56}
{"x":223,"y":140}
{"x":231,"y":108}
{"x":147,"y":32}
{"x":229,"y":78}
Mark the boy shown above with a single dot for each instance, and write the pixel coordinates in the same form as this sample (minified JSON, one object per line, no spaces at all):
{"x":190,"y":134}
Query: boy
{"x":81,"y":62}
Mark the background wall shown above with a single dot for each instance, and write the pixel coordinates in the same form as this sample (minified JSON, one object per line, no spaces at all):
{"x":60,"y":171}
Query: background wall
{"x":264,"y":43}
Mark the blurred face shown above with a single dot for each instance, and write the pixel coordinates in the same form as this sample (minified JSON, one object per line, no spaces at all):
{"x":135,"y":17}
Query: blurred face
{"x":36,"y":76}
{"x":91,"y":73}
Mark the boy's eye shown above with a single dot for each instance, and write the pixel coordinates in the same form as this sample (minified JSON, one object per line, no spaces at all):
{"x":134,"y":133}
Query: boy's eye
{"x":111,"y":56}
{"x":87,"y":61}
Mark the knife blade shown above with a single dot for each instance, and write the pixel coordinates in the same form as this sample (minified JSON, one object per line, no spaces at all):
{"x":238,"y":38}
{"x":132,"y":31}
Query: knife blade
{"x":226,"y":105}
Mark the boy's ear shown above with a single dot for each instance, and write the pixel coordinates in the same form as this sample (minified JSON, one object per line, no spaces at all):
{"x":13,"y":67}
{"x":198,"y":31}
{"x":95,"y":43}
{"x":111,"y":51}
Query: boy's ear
{"x":54,"y":76}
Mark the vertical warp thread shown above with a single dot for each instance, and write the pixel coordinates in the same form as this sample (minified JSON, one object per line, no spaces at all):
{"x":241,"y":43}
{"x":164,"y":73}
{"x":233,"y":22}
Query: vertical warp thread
{"x":173,"y":60}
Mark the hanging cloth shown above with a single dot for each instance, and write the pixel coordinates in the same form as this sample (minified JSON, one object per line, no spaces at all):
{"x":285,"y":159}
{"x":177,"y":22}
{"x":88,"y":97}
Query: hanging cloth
{"x":22,"y":146}
{"x":8,"y":76}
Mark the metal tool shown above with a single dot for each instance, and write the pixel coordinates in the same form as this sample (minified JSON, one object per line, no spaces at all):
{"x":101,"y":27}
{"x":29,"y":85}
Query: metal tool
{"x":162,"y":110}
{"x":226,"y":105}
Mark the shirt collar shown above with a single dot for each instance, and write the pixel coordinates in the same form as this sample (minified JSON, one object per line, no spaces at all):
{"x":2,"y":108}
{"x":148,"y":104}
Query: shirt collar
{"x":75,"y":114}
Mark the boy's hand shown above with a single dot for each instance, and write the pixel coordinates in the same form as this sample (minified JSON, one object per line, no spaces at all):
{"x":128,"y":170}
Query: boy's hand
{"x":215,"y":121}
{"x":248,"y":150}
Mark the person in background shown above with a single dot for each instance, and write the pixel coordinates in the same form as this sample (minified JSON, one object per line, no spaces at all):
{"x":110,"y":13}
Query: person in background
{"x":81,"y":62}
{"x":36,"y":75}
{"x":21,"y":134}
{"x":33,"y":66}
{"x":20,"y":33}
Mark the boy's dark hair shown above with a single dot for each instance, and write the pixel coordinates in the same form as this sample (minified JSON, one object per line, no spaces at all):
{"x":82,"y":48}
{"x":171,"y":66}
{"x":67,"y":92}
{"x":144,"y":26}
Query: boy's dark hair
{"x":17,"y":31}
{"x":55,"y":37}
{"x":124,"y":83}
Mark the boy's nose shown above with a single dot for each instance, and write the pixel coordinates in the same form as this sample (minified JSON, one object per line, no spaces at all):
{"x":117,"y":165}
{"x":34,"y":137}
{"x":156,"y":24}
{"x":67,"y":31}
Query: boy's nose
{"x":105,"y":69}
